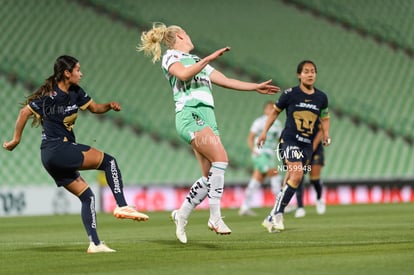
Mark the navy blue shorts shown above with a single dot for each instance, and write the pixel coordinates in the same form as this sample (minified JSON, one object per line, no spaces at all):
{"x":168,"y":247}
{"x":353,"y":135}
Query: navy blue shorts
{"x":62,"y":160}
{"x":293,"y":151}
{"x":318,"y":157}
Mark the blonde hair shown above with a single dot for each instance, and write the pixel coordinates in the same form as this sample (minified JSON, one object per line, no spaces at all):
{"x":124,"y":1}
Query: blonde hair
{"x":159,"y":34}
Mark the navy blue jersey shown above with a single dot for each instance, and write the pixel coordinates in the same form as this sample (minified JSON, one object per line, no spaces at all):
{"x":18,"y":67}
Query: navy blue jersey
{"x":59,"y":112}
{"x":302,"y":113}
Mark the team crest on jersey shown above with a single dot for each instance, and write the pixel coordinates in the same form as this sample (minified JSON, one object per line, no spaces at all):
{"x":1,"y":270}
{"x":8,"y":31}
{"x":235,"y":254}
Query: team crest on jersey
{"x":199,"y":121}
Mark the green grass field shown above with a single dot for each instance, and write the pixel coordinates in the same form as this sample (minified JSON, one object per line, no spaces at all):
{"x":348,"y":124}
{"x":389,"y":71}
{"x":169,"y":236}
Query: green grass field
{"x":354,"y":239}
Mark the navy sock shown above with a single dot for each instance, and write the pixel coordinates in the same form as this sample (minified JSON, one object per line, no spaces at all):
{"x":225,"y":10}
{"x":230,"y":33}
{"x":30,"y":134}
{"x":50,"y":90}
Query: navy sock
{"x":89,"y":215}
{"x":284,"y":198}
{"x":299,"y":194}
{"x":318,"y":188}
{"x":113,"y":178}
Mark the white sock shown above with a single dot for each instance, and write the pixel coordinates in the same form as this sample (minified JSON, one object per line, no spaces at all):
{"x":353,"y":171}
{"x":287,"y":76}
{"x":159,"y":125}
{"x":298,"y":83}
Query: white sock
{"x":216,"y":187}
{"x":249,"y":193}
{"x":276,"y":184}
{"x":197,"y":193}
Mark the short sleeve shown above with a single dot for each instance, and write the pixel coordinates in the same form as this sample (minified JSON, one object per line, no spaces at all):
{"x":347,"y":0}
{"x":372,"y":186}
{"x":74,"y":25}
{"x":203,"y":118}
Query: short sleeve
{"x":209,"y":69}
{"x":283,"y":100}
{"x":36,"y":106}
{"x":83,"y":99}
{"x":168,"y":59}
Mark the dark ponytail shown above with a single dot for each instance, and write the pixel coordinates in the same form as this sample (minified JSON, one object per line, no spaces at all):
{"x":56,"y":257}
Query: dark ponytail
{"x":62,"y":63}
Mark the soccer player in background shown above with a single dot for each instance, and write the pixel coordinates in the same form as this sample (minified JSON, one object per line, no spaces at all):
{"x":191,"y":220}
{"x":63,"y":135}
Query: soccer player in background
{"x":191,"y":79}
{"x":54,"y":106}
{"x":306,"y":108}
{"x":264,"y":159}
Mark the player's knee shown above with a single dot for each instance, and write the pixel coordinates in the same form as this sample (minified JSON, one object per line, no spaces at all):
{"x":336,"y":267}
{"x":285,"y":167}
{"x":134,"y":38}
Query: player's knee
{"x":295,"y":178}
{"x":87,"y":195}
{"x":222,"y":157}
{"x":107,"y":161}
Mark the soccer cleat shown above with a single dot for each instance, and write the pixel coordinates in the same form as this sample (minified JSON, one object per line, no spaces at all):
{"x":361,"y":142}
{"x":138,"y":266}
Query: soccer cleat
{"x":129,"y":212}
{"x":247,"y":212}
{"x":100,"y":248}
{"x":320,"y":207}
{"x":300,"y":213}
{"x":180,"y":224}
{"x":219,"y":227}
{"x":277,"y":221}
{"x":267,"y":223}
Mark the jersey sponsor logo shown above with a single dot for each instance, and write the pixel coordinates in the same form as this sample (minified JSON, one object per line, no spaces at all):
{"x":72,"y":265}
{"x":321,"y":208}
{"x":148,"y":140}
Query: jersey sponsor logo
{"x":307,"y":106}
{"x":71,"y":108}
{"x":302,"y":139}
{"x":202,"y":81}
{"x":34,"y":105}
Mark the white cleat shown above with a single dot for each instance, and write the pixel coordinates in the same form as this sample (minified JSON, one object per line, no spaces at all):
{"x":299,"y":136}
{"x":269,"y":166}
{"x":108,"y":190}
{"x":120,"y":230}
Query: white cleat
{"x":300,"y":213}
{"x":219,"y":227}
{"x":129,"y":212}
{"x":320,"y":207}
{"x":267,"y":223}
{"x":100,"y":248}
{"x":277,"y":221}
{"x":180,"y":224}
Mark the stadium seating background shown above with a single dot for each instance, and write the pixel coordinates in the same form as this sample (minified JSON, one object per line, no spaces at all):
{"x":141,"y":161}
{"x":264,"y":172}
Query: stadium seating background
{"x":368,"y":81}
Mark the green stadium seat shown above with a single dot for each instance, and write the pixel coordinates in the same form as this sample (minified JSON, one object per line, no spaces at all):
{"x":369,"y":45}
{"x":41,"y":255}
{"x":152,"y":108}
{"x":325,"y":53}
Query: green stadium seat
{"x":363,"y":79}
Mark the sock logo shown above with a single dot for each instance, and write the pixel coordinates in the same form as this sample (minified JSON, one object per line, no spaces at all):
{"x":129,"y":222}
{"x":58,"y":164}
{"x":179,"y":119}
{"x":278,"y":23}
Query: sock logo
{"x":93,"y":212}
{"x":115,"y":177}
{"x":196,"y":194}
{"x":219,"y":190}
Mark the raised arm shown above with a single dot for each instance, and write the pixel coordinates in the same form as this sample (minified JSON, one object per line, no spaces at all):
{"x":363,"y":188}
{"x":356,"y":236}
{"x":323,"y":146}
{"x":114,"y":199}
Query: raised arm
{"x":186,"y":73}
{"x":220,"y":79}
{"x":100,"y":108}
{"x":24,"y":114}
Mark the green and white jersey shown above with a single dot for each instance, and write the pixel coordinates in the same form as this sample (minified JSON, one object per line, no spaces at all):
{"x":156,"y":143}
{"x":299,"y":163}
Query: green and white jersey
{"x":272,"y":137}
{"x":191,"y":92}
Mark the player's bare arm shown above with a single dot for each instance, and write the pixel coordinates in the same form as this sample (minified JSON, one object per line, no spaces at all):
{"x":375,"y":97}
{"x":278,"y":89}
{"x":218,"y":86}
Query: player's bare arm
{"x":186,"y":73}
{"x":24,"y":114}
